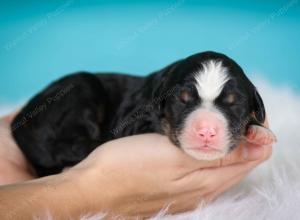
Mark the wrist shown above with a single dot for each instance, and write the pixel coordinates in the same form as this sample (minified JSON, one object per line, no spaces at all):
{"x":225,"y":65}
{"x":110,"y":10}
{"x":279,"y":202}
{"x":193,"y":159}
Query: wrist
{"x":57,"y":195}
{"x":100,"y":190}
{"x":62,"y":198}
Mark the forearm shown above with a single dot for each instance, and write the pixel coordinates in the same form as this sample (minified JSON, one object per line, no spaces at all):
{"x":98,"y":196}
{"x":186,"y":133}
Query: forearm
{"x":58,"y":195}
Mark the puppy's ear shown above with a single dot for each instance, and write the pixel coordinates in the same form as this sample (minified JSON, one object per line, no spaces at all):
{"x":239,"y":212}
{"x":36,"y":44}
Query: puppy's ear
{"x":256,"y":133}
{"x":159,"y":85}
{"x":160,"y":89}
{"x":258,"y":107}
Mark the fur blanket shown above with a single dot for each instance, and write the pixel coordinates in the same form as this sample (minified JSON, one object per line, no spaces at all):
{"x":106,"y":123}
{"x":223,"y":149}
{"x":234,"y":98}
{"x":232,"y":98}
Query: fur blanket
{"x":272,"y":191}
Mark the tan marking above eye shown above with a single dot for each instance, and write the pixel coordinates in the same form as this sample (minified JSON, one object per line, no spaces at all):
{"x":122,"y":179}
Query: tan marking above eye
{"x":185,"y":96}
{"x":230,"y":98}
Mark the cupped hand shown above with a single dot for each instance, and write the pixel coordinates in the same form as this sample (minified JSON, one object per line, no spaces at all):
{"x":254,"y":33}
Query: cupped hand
{"x":140,"y":175}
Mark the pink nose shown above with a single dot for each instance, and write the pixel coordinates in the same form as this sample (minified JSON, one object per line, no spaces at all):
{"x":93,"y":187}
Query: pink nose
{"x":207,"y":133}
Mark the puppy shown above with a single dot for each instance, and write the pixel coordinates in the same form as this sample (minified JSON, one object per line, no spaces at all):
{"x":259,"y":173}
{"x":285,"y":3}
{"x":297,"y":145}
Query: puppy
{"x":204,"y":103}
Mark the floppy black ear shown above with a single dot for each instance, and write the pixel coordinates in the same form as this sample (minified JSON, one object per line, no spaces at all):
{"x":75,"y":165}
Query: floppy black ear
{"x":258,"y":107}
{"x":159,"y":93}
{"x":159,"y":84}
{"x":160,"y":90}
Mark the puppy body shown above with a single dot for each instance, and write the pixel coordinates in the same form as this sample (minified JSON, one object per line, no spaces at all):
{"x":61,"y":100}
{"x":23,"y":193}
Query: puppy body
{"x":203,"y":103}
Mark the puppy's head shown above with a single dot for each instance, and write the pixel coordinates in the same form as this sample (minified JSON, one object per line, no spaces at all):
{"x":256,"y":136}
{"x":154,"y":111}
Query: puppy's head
{"x":211,"y":105}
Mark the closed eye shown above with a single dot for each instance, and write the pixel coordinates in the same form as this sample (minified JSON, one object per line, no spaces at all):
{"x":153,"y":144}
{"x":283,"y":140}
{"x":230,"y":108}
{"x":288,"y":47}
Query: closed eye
{"x":187,"y":94}
{"x":233,"y":98}
{"x":230,"y":99}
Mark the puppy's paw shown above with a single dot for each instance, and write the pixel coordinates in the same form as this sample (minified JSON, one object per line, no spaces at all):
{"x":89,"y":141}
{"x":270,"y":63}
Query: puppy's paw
{"x":260,"y":135}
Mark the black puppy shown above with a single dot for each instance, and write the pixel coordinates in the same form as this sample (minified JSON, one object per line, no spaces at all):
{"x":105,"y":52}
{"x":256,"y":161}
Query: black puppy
{"x":204,"y":104}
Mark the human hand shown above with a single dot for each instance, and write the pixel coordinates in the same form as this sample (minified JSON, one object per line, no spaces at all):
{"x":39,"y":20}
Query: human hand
{"x":140,"y":175}
{"x":13,"y":165}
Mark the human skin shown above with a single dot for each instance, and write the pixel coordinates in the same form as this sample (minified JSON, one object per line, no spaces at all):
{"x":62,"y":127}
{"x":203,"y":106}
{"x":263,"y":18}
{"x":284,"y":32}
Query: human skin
{"x":132,"y":176}
{"x":13,"y":165}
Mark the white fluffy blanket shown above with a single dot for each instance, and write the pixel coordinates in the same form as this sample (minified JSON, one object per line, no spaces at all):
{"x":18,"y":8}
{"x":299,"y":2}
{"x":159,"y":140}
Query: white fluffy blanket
{"x":272,"y":191}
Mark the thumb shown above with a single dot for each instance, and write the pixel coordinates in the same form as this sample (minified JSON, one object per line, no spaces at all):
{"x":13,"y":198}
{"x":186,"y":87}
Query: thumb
{"x":260,"y":135}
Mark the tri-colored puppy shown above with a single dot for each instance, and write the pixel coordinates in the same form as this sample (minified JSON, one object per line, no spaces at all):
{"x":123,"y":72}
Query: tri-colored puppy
{"x":204,"y":103}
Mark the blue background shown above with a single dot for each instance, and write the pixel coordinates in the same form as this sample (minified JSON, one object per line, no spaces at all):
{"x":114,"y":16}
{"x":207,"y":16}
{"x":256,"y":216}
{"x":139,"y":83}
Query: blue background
{"x":42,"y":40}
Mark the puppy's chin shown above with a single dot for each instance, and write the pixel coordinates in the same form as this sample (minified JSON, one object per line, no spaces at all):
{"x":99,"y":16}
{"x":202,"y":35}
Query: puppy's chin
{"x":205,"y":154}
{"x":201,"y":150}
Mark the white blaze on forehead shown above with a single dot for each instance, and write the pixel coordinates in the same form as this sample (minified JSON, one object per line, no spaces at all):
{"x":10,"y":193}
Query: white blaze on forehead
{"x":211,"y":80}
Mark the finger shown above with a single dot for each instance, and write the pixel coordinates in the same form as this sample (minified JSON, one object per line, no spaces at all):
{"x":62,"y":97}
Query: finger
{"x":223,"y":174}
{"x":212,"y":178}
{"x":243,"y":153}
{"x":260,"y":135}
{"x":254,"y":152}
{"x":194,"y":198}
{"x":215,"y":176}
{"x":191,"y":200}
{"x":224,"y":187}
